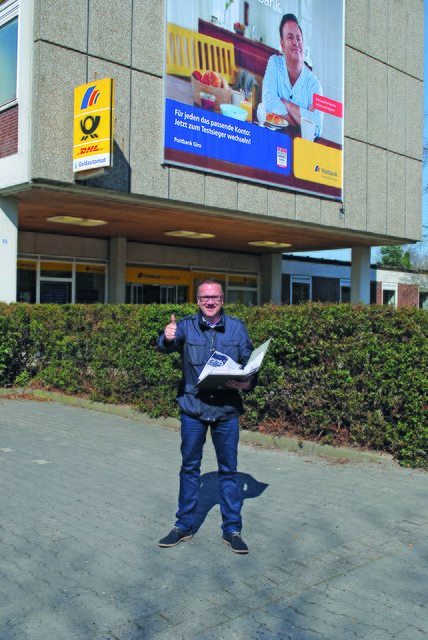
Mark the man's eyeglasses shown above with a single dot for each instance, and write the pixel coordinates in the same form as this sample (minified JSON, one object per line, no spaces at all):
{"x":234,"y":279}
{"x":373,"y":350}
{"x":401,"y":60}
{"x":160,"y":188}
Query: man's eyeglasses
{"x":205,"y":299}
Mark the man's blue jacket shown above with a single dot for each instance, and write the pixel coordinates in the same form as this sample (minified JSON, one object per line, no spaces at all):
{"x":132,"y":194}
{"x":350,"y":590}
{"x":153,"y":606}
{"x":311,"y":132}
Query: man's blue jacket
{"x":196,"y":341}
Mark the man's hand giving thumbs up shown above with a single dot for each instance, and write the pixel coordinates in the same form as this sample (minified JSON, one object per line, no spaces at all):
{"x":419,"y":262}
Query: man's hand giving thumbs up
{"x":171,"y":329}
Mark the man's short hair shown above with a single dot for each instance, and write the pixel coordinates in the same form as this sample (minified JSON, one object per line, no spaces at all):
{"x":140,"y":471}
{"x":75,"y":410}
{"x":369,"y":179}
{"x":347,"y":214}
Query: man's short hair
{"x":210,"y":281}
{"x":289,"y":17}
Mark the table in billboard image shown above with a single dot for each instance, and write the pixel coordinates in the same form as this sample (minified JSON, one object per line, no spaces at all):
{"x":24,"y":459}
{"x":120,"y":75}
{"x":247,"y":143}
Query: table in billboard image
{"x":254,"y":151}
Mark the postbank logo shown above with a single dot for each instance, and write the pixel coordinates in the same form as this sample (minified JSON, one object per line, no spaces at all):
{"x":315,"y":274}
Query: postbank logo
{"x":317,"y":163}
{"x":93,"y":125}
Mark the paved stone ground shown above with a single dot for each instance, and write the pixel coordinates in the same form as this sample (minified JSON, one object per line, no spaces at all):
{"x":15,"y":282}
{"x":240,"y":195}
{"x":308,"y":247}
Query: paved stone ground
{"x":338,"y":551}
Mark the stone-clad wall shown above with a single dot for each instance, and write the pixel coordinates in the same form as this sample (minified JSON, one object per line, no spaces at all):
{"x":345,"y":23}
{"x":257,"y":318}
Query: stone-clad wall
{"x":384,"y":116}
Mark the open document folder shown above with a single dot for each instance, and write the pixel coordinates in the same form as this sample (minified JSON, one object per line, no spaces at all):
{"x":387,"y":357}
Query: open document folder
{"x":221,"y":368}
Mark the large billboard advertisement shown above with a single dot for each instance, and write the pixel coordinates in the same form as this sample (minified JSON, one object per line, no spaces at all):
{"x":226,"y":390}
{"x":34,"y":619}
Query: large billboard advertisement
{"x":254,"y":90}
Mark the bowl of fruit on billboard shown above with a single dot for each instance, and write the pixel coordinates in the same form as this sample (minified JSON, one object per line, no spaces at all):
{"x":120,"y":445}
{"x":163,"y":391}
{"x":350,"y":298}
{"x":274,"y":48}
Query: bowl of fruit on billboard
{"x":210,"y":83}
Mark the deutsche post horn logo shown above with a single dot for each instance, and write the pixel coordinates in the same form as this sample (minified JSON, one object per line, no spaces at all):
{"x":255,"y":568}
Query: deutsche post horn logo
{"x":88,"y":126}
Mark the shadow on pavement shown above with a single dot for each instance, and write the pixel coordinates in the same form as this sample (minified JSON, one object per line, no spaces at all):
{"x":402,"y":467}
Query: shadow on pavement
{"x":209,"y":495}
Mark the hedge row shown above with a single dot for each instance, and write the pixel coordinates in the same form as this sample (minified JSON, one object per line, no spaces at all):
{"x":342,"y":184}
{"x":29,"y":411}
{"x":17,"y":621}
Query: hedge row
{"x":340,"y":374}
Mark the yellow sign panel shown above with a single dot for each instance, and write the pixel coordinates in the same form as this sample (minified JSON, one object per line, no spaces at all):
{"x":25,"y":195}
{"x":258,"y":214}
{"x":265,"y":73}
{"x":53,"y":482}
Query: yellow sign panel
{"x":56,"y":266}
{"x":317,"y":163}
{"x":242,"y":281}
{"x":146,"y":275}
{"x":93,"y":125}
{"x":201,"y":275}
{"x":30,"y":265}
{"x":90,"y":268}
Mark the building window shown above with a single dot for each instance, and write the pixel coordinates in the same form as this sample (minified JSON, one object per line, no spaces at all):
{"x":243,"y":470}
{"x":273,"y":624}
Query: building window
{"x":301,"y":289}
{"x":423,"y":300}
{"x":8,"y":53}
{"x":373,"y":292}
{"x":150,"y":284}
{"x":60,"y":281}
{"x":389,"y":294}
{"x":27,"y":281}
{"x":147,"y":284}
{"x":90,"y":283}
{"x":242,"y":288}
{"x":345,"y":290}
{"x":155,"y":294}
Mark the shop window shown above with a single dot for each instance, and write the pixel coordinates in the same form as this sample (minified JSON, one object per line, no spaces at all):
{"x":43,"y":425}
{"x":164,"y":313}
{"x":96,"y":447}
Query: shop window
{"x":56,"y":279}
{"x":345,"y":290}
{"x":156,"y":285}
{"x":8,"y":53}
{"x":373,"y":292}
{"x":90,"y":283}
{"x":389,"y":294}
{"x":60,"y":282}
{"x":242,"y":288}
{"x":26,"y":290}
{"x":301,"y":289}
{"x":155,"y":294}
{"x":423,"y":300}
{"x":52,"y":292}
{"x":244,"y":297}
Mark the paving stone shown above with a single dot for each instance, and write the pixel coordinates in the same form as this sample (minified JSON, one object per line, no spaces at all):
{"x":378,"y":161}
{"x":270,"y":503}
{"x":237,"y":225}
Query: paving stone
{"x":336,"y":551}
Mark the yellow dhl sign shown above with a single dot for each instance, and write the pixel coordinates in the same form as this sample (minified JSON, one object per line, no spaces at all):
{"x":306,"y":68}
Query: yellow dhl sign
{"x":93,"y":125}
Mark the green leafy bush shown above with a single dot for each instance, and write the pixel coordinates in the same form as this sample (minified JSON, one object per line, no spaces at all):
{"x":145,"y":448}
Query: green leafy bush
{"x":339,"y":374}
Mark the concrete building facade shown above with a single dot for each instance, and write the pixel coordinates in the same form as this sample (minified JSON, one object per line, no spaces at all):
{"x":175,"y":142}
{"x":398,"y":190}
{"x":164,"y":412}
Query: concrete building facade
{"x":121,"y":253}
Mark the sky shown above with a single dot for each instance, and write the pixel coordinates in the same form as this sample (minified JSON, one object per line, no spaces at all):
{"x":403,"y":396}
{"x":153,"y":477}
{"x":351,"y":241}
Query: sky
{"x":345,"y":254}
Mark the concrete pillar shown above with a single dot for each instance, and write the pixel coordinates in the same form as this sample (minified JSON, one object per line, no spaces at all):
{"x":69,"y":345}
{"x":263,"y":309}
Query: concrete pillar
{"x":360,"y":275}
{"x":271,"y":278}
{"x":8,"y":248}
{"x":117,"y":271}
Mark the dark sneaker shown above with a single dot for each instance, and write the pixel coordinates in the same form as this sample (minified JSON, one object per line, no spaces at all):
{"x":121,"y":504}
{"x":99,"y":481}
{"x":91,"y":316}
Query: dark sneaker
{"x":174,"y":537}
{"x":235,"y":542}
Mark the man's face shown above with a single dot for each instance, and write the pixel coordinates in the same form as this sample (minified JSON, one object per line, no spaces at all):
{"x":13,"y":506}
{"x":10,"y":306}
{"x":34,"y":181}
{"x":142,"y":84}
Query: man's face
{"x":210,"y":301}
{"x":292,"y":43}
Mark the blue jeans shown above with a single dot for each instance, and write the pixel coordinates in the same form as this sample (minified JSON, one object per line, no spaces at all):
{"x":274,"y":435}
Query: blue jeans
{"x":225,"y":437}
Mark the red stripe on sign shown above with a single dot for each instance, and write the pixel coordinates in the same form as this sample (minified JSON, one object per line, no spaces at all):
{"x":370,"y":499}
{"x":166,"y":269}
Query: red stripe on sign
{"x":328,"y":105}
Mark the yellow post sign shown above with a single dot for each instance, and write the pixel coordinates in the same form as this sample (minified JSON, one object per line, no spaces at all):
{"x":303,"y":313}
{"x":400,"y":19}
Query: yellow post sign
{"x":93,"y":125}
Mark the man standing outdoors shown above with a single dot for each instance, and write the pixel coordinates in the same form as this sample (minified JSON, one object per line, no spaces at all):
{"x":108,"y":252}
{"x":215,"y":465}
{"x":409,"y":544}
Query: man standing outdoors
{"x":288,"y":84}
{"x":196,"y":337}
